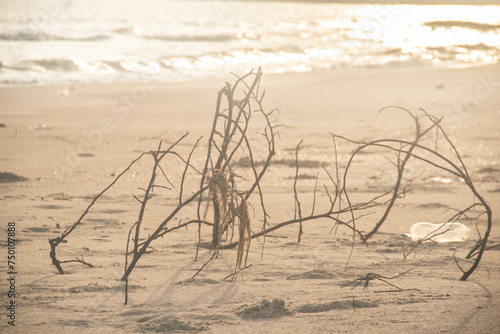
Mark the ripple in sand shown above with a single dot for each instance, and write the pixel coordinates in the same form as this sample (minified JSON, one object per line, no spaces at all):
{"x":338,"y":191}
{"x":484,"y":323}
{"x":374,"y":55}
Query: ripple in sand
{"x":49,"y":207}
{"x":171,"y":324}
{"x":335,"y":305}
{"x":313,"y":274}
{"x":201,"y":281}
{"x":264,"y":310}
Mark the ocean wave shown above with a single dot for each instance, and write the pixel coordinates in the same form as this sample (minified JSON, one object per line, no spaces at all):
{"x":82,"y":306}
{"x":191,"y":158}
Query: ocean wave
{"x":137,"y":32}
{"x":63,"y":65}
{"x":465,"y":48}
{"x":192,"y":38}
{"x":281,"y":56}
{"x":72,"y":65}
{"x":54,"y":65}
{"x":123,"y":30}
{"x":462,"y":24}
{"x":133,"y":66}
{"x":209,"y":63}
{"x":480,"y":47}
{"x":41,"y":36}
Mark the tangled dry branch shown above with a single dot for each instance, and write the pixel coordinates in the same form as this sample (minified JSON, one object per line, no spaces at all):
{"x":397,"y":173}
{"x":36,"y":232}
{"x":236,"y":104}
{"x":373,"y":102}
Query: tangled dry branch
{"x":220,"y":193}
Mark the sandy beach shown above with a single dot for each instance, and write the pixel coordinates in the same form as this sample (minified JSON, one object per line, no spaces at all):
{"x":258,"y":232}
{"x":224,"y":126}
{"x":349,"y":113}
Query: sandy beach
{"x":67,"y":143}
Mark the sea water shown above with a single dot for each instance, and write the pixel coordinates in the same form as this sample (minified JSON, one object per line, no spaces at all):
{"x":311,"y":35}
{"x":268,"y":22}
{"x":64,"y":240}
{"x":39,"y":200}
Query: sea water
{"x":78,"y":41}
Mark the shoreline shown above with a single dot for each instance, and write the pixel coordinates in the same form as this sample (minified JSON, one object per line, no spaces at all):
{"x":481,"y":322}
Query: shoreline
{"x":332,"y":90}
{"x":319,"y":72}
{"x":229,"y":76}
{"x":336,"y":101}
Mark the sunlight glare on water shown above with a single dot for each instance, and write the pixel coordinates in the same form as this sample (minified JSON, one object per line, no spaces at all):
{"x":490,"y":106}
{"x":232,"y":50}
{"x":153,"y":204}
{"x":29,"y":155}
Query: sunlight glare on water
{"x":129,"y":40}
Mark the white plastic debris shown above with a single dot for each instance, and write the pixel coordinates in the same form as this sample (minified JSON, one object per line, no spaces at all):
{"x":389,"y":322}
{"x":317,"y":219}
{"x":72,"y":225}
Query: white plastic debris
{"x":445,"y":232}
{"x":40,"y":127}
{"x":443,"y":180}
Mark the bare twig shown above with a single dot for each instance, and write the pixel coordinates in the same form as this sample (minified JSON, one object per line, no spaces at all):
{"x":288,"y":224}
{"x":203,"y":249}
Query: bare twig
{"x":237,"y":272}
{"x":54,"y":242}
{"x":78,"y":260}
{"x":439,"y":160}
{"x":458,"y":264}
{"x":141,"y":248}
{"x":296,"y":196}
{"x":372,"y":276}
{"x":214,"y":254}
{"x":236,"y":106}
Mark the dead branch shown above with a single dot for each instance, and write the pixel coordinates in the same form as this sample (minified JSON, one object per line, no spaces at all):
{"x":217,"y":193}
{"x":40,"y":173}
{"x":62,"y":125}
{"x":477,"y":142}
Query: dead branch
{"x":473,"y":252}
{"x":466,"y":178}
{"x":54,"y":242}
{"x":298,"y":209}
{"x":401,"y":164}
{"x":231,"y":117}
{"x":235,"y":108}
{"x":214,"y":254}
{"x":372,"y":276}
{"x":409,"y":150}
{"x":237,"y":272}
{"x":78,"y":260}
{"x":140,"y":249}
{"x":458,"y":264}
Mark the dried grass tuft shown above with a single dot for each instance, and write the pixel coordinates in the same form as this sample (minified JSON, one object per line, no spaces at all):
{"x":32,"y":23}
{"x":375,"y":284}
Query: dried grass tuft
{"x":229,"y":205}
{"x":219,"y":189}
{"x":245,"y":236}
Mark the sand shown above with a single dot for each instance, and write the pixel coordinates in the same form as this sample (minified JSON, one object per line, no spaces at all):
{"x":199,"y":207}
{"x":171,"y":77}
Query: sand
{"x":70,"y":142}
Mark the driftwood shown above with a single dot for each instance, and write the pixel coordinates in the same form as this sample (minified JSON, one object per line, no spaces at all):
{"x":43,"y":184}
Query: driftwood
{"x":416,"y":150}
{"x":220,"y":193}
